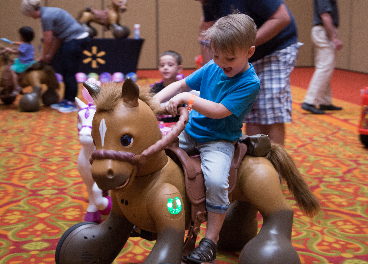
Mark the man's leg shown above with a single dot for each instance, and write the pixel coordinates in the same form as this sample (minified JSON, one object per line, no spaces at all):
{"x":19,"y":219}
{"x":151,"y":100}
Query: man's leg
{"x":319,"y":90}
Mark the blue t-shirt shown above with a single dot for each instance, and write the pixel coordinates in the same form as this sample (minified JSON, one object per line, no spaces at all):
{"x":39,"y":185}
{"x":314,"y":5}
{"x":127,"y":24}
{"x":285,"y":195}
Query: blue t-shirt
{"x":236,"y":93}
{"x":61,"y":23}
{"x":260,"y":11}
{"x":26,"y":53}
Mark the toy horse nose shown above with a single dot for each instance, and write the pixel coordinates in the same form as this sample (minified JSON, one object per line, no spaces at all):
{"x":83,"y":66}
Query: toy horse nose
{"x":110,"y":174}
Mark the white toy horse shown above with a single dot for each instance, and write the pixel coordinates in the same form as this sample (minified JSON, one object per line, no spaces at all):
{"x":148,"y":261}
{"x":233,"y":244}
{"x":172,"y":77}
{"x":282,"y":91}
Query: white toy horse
{"x":98,"y":204}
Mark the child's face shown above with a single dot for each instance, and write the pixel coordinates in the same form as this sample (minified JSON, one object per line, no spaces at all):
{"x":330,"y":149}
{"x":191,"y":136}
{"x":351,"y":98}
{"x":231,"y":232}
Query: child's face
{"x":169,"y":68}
{"x":233,"y":63}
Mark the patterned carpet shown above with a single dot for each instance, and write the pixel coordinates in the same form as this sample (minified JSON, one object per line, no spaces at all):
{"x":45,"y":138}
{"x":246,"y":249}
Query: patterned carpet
{"x":42,"y":194}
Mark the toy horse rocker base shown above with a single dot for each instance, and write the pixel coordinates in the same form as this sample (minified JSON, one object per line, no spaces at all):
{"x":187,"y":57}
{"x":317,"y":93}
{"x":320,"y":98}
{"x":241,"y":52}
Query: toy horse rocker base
{"x":108,"y":18}
{"x":148,"y":190}
{"x":36,"y":75}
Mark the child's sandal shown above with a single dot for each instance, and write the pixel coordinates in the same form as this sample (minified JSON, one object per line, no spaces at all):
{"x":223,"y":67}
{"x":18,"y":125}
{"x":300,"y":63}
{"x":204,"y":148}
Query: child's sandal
{"x":204,"y":253}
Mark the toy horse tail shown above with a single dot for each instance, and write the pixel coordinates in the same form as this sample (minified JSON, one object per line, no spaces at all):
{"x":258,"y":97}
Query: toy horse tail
{"x":286,"y":167}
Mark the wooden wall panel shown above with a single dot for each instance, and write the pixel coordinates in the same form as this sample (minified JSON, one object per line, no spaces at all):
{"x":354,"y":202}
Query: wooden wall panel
{"x":143,"y":12}
{"x":344,"y":33}
{"x":178,"y":28}
{"x":358,"y":59}
{"x":302,"y":11}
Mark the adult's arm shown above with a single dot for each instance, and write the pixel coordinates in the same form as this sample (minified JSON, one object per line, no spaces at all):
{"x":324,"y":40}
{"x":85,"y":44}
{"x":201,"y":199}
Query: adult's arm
{"x":331,"y":30}
{"x":273,"y":26}
{"x":11,"y":50}
{"x":50,"y":46}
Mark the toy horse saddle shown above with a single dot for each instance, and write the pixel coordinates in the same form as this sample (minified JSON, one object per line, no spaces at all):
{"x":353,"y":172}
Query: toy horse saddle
{"x":258,"y":145}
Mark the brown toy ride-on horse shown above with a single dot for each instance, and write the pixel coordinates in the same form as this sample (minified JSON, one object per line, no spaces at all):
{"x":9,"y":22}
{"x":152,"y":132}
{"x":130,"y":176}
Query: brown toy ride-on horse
{"x":149,"y":190}
{"x":109,"y":18}
{"x":36,"y":75}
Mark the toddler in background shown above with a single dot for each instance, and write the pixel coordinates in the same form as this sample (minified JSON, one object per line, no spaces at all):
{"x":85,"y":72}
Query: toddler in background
{"x":25,"y":53}
{"x":169,"y":67}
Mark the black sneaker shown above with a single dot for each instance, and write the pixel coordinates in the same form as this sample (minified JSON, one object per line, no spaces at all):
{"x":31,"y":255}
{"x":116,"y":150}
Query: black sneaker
{"x":311,"y":108}
{"x":330,"y":107}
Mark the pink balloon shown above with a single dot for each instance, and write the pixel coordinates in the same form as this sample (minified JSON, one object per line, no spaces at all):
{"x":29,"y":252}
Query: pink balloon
{"x":87,"y":96}
{"x":93,"y":80}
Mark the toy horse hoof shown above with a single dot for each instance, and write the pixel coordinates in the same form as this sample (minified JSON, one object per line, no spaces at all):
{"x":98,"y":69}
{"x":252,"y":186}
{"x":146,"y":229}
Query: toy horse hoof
{"x":29,"y":103}
{"x":120,"y":31}
{"x":9,"y":99}
{"x":50,"y":96}
{"x":107,"y":210}
{"x":93,"y":217}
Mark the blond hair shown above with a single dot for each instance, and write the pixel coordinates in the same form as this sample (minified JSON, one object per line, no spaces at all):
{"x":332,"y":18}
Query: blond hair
{"x":28,"y":6}
{"x":232,"y":32}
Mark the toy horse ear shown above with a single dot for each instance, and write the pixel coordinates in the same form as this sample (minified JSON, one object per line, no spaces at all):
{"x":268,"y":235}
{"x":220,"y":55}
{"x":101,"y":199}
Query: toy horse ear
{"x":130,"y":92}
{"x":93,"y":89}
{"x":80,"y":103}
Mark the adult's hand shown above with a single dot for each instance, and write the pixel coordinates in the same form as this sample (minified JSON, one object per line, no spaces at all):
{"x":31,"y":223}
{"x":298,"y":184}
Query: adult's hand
{"x":46,"y":59}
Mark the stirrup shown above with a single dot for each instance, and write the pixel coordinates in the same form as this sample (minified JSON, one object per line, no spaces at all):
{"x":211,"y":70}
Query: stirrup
{"x":204,"y":253}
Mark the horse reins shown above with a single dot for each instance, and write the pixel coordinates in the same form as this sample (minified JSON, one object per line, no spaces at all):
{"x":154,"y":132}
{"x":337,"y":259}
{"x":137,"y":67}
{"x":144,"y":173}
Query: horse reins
{"x":87,"y":114}
{"x":140,"y":159}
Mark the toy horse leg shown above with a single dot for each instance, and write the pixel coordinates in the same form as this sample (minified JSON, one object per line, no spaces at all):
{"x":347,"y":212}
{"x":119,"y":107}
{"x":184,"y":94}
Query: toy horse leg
{"x":239,"y":227}
{"x":167,"y":247}
{"x":84,"y":168}
{"x":100,"y":201}
{"x":89,"y":182}
{"x":170,"y":226}
{"x":260,"y":183}
{"x":91,"y":243}
{"x":273,"y":243}
{"x":8,"y":83}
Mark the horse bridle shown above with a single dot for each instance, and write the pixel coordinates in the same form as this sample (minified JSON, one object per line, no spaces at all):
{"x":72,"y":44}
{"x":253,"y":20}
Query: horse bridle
{"x":140,"y":159}
{"x":87,"y":114}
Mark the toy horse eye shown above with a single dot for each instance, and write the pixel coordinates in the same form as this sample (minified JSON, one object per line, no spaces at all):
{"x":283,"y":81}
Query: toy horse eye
{"x":126,"y":140}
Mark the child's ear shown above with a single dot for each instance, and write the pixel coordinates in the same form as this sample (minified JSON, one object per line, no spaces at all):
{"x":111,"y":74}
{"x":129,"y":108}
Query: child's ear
{"x":180,"y":68}
{"x":251,"y":51}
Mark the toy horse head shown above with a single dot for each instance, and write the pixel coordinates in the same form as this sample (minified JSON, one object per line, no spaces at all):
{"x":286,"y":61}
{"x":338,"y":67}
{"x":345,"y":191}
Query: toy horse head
{"x":123,"y":127}
{"x":121,"y":5}
{"x":84,"y":125}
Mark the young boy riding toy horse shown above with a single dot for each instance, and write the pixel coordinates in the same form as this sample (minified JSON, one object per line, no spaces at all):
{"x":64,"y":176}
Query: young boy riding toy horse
{"x":228,"y":87}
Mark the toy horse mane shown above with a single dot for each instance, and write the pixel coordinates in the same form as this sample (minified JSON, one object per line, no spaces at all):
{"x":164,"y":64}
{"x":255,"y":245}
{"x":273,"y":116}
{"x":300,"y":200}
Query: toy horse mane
{"x":109,"y":96}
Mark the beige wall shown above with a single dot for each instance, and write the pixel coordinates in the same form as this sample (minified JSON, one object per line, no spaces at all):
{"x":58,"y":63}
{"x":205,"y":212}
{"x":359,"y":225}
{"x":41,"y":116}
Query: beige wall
{"x":167,"y":25}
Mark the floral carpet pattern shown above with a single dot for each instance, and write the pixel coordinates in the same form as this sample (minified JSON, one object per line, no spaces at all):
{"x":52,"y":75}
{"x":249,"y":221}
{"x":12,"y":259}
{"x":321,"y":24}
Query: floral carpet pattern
{"x":42,"y":193}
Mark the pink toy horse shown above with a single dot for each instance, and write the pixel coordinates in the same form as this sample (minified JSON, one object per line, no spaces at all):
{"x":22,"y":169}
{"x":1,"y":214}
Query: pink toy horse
{"x":98,"y":204}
